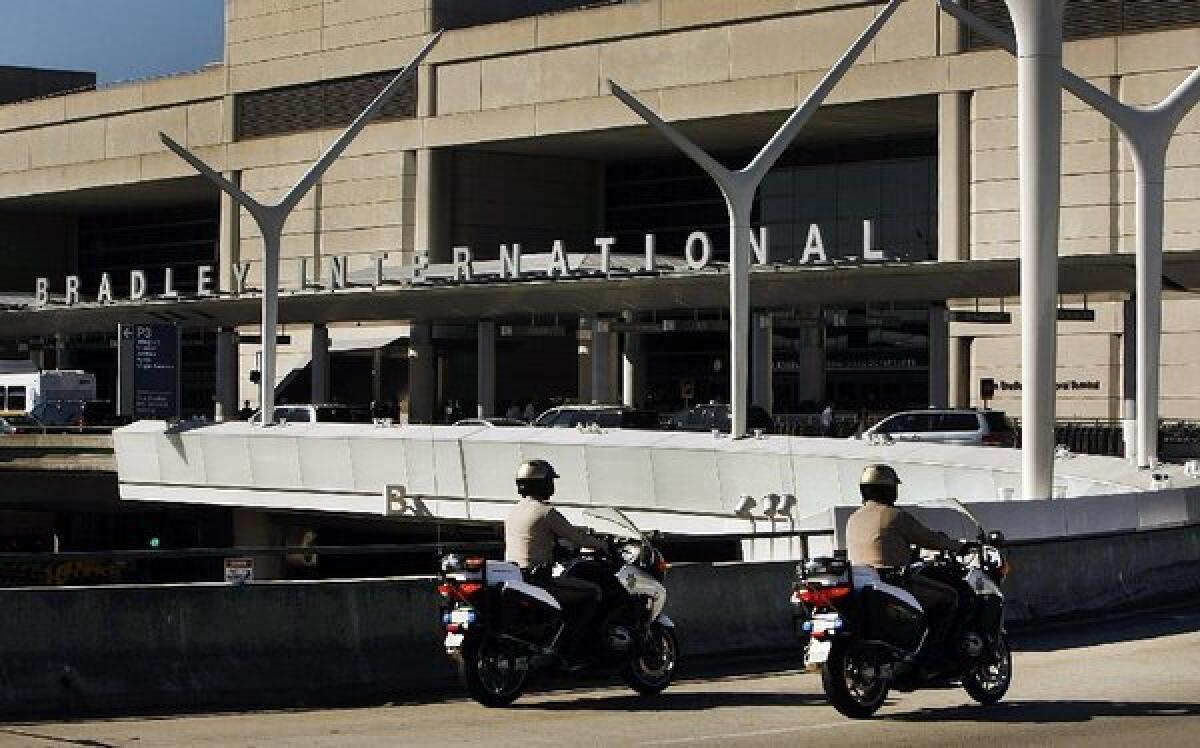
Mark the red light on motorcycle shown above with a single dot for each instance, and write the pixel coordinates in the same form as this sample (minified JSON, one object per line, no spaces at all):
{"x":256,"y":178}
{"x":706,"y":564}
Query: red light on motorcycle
{"x":1004,"y":569}
{"x":823,"y":597}
{"x":463,"y":592}
{"x":474,"y":564}
{"x":661,"y":566}
{"x":467,"y":590}
{"x":453,"y":628}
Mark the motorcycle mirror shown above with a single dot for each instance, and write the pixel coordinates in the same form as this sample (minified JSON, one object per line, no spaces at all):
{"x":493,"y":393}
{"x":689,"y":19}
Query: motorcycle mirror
{"x":996,"y":539}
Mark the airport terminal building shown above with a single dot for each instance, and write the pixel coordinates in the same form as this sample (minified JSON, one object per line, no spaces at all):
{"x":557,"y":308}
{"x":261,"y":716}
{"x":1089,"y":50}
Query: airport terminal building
{"x":509,"y":233}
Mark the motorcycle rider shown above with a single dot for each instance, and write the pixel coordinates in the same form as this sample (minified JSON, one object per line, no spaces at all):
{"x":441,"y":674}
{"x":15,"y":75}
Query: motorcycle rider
{"x":879,"y":535}
{"x":530,"y":532}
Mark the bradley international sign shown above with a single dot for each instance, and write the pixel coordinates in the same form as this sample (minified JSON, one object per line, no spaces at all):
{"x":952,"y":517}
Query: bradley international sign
{"x":463,"y":268}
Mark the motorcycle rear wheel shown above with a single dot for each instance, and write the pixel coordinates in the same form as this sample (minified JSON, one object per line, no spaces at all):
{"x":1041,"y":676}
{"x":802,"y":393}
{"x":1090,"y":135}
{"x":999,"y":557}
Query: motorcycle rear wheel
{"x":851,"y":690}
{"x":651,"y":669}
{"x":486,"y":672}
{"x":988,"y":683}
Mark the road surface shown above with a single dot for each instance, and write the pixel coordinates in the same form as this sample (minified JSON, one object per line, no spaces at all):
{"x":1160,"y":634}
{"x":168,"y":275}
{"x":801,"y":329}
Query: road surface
{"x":1130,"y":682}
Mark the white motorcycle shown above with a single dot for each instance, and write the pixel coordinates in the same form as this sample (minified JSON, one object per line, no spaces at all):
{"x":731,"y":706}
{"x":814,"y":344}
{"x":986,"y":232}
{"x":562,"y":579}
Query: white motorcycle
{"x":867,"y":634}
{"x":499,"y":626}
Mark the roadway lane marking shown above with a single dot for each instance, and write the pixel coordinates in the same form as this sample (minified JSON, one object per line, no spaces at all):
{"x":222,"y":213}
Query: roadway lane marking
{"x":754,"y":734}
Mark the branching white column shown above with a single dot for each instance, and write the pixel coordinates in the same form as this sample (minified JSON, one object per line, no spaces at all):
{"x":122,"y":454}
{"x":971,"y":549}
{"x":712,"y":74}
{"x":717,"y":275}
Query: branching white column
{"x":738,"y":188}
{"x":1148,"y":132}
{"x":270,"y":217}
{"x":1039,"y":147}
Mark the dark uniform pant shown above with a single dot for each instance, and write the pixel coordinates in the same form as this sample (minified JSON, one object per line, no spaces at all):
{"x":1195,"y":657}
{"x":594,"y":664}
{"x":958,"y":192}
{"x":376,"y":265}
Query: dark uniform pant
{"x":940,"y":602}
{"x":580,"y":600}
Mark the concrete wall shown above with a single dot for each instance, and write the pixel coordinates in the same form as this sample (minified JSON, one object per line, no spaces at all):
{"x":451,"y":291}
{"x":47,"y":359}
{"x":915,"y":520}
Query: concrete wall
{"x":70,"y":651}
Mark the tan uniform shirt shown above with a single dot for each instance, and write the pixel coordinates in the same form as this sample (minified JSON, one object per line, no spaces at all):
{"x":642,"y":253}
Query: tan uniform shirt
{"x":880,"y":535}
{"x":531,"y":529}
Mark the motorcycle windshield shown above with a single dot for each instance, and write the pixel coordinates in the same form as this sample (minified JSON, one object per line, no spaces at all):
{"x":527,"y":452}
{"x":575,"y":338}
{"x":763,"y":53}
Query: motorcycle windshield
{"x":957,"y":506}
{"x":613,"y":522}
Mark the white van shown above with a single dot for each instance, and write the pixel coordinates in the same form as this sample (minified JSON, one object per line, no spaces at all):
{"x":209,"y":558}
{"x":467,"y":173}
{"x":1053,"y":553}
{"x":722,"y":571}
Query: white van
{"x":23,"y":386}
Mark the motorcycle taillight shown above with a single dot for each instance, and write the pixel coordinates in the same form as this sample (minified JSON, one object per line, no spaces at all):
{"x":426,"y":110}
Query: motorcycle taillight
{"x":824,"y":597}
{"x":462,"y":591}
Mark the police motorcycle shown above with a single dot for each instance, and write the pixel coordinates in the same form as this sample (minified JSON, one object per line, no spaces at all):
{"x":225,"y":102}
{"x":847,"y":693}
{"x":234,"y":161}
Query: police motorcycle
{"x":499,"y":627}
{"x":867,"y":634}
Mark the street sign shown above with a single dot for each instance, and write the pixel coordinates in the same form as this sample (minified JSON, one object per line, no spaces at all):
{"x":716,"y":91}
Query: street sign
{"x":148,"y":370}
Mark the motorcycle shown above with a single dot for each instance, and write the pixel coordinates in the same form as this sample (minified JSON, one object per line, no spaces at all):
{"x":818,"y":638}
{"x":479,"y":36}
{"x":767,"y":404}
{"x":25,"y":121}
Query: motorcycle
{"x":500,"y":627}
{"x":867,"y":634}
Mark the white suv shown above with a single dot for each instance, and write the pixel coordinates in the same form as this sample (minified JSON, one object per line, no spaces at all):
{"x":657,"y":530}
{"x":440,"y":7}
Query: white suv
{"x":952,"y":426}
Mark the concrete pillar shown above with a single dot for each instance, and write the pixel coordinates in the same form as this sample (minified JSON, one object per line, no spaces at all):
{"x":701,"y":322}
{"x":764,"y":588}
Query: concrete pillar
{"x":421,"y":373}
{"x":939,"y":355}
{"x":434,"y":203}
{"x":810,"y":360}
{"x":320,"y":363}
{"x":763,"y":367}
{"x":633,"y":371}
{"x":377,"y":376}
{"x":583,"y":337}
{"x":62,"y":351}
{"x":226,"y":395}
{"x":255,"y":529}
{"x":485,"y":346}
{"x":601,"y":353}
{"x":954,"y":176}
{"x":959,"y":372}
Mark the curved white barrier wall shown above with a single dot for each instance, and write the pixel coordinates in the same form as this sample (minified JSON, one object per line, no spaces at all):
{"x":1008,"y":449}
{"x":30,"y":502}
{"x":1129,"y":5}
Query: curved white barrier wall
{"x":673,"y":481}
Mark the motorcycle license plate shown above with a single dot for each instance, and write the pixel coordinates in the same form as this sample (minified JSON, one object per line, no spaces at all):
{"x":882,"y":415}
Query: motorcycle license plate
{"x":818,"y":652}
{"x":461,"y":615}
{"x":454,"y":641}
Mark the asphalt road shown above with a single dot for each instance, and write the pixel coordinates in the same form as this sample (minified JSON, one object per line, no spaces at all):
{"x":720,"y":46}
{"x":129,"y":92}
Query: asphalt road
{"x":1130,"y":682}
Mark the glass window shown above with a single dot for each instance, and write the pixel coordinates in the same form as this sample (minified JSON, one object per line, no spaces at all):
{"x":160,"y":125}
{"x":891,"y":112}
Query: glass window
{"x":956,"y":422}
{"x":16,"y":398}
{"x":997,"y":422}
{"x":907,"y":423}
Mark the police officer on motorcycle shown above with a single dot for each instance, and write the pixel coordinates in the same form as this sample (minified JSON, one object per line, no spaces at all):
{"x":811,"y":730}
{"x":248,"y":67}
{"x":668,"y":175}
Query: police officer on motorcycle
{"x":530,"y":532}
{"x":880,"y":535}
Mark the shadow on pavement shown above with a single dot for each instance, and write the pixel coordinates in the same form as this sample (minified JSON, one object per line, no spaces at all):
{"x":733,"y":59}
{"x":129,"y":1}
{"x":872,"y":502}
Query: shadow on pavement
{"x":1043,"y":712}
{"x":1133,"y":626}
{"x":669,"y":701}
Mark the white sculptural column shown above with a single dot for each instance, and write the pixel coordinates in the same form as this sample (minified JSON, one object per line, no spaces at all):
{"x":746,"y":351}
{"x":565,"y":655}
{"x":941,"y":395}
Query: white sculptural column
{"x":738,"y":188}
{"x":1038,"y":24}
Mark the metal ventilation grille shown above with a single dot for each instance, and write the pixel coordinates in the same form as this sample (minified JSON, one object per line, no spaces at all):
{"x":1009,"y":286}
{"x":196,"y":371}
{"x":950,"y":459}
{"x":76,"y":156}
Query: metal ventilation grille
{"x":1091,"y":18}
{"x":316,"y":106}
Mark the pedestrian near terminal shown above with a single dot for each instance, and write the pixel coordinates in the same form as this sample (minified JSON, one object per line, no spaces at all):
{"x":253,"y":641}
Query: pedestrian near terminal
{"x":827,"y":420}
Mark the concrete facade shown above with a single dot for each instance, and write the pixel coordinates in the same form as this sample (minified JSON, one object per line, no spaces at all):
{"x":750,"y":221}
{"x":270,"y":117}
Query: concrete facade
{"x":515,"y":121}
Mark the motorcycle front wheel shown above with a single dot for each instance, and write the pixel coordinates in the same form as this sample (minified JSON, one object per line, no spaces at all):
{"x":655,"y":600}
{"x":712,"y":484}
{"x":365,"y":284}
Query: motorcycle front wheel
{"x":988,"y":683}
{"x":851,"y":681}
{"x":650,"y":670}
{"x":490,"y":672}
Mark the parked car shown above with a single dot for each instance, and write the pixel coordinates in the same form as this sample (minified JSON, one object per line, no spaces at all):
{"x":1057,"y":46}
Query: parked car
{"x":604,"y":416}
{"x":491,"y":421}
{"x":323,"y":413}
{"x":18,"y":424}
{"x":948,"y":426}
{"x":78,"y":415}
{"x":716,"y":416}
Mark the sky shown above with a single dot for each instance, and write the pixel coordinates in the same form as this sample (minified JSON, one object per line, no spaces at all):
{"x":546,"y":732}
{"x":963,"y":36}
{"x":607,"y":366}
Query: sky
{"x":117,"y":39}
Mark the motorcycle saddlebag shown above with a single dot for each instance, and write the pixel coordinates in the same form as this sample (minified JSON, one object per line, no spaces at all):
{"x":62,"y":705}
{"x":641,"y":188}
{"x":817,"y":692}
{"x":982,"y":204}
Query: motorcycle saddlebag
{"x":527,"y":618}
{"x":888,"y":619}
